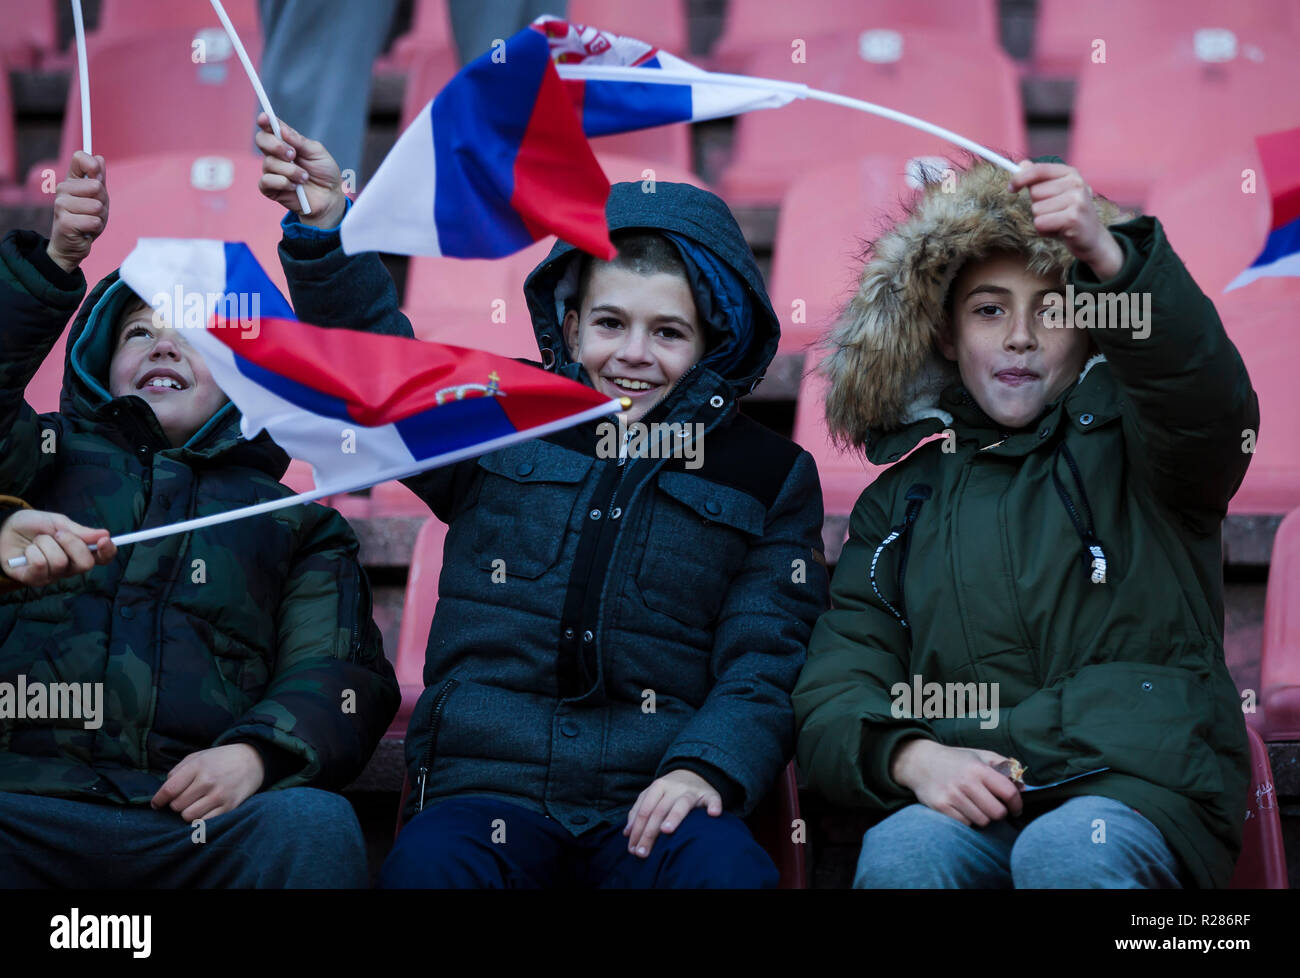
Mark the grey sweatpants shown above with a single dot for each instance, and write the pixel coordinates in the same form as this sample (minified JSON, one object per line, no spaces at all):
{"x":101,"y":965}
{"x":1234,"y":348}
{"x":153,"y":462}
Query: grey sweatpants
{"x":293,"y":838}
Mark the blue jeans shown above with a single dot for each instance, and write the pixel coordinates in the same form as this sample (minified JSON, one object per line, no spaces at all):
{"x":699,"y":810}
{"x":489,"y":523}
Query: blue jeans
{"x":465,"y":843}
{"x":1087,"y":842}
{"x":293,"y":838}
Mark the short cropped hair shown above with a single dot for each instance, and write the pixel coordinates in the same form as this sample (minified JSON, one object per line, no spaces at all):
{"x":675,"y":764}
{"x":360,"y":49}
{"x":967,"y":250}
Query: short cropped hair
{"x":640,"y":251}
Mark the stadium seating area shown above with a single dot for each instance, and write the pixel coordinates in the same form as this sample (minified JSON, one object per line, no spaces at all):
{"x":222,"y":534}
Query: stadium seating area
{"x":1163,"y":117}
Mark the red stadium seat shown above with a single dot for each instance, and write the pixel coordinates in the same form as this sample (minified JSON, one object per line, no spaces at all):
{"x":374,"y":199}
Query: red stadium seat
{"x":430,"y":70}
{"x":174,"y":195}
{"x":949,"y":80}
{"x":1123,"y":144}
{"x":31,"y":32}
{"x":131,"y":18}
{"x":1262,"y":863}
{"x":660,"y":24}
{"x":817,"y":254}
{"x":1279,"y":661}
{"x":1263,"y":328}
{"x":1066,"y":30}
{"x":147,"y":96}
{"x":754,"y":24}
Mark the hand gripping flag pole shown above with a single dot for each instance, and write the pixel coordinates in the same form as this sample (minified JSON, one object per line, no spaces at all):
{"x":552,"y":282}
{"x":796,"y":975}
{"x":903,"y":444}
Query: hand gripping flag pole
{"x":257,"y":87}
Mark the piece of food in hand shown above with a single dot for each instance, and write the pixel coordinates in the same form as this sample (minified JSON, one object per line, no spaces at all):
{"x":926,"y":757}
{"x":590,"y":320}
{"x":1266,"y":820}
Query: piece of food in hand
{"x":1014,"y":770}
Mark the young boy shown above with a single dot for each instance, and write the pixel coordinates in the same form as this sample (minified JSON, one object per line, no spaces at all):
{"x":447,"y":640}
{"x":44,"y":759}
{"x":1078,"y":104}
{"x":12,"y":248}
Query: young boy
{"x":617,"y":632}
{"x":1054,"y":557}
{"x":202,"y":669}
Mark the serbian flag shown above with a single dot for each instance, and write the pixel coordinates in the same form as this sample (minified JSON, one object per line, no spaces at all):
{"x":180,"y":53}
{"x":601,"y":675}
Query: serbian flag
{"x":496,"y":161}
{"x":1279,"y":153}
{"x":607,"y":106}
{"x":361,"y":408}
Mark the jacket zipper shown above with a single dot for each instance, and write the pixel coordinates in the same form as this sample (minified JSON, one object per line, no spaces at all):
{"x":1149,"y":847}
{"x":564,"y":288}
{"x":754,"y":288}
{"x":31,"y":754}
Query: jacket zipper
{"x":435,"y":717}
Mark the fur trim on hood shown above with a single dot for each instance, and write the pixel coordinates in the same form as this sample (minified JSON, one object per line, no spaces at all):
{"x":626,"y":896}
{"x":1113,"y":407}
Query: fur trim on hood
{"x":883,"y":368}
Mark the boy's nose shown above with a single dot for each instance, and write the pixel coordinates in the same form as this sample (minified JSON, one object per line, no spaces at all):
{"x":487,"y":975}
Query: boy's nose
{"x":165,"y":346}
{"x":634,"y":347}
{"x":1020,"y":332}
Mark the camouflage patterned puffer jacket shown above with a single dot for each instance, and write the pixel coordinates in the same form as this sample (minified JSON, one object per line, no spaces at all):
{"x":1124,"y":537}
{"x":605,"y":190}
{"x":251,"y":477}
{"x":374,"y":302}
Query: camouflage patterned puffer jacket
{"x":257,"y":631}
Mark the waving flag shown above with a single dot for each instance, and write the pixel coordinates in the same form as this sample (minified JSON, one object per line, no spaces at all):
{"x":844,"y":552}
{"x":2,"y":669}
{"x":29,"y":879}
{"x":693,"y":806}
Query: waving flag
{"x":496,"y":161}
{"x":1279,"y":152}
{"x":361,"y":408}
{"x":609,"y":106}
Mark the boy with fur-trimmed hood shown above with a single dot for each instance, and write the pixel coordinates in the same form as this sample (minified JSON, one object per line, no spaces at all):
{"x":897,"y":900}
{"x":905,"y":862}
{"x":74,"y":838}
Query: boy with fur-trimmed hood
{"x":1056,"y":553}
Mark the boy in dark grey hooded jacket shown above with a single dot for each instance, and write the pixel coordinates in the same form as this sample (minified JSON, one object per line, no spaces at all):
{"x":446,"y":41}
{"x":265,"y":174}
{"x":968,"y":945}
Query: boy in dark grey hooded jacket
{"x":617,"y":633}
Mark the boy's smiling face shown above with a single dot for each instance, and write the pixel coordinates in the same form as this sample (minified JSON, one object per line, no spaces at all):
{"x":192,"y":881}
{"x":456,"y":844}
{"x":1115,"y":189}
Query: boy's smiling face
{"x":1009,"y":359}
{"x":155,"y":362}
{"x":635,"y":334}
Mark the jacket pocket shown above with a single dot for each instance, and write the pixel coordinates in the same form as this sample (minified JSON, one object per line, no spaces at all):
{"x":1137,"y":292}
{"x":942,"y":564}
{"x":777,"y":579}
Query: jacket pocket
{"x":699,"y":535}
{"x":1150,"y":721}
{"x":524,"y":507}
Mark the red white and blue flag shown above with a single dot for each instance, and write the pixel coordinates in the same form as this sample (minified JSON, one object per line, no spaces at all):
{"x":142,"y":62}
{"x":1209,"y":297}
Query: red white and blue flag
{"x":1279,"y":153}
{"x":361,"y":408}
{"x":499,"y":158}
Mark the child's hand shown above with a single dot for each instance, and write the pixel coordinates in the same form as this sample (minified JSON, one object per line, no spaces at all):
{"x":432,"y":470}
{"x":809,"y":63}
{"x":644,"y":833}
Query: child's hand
{"x":663,"y":805}
{"x":210,"y":782}
{"x":957,"y":781}
{"x":1063,"y":209}
{"x":295,"y":160}
{"x":80,"y":211}
{"x":55,"y":547}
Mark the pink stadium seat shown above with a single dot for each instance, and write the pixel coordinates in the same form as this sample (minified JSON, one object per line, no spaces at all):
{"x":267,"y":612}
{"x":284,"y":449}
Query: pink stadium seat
{"x":174,"y":195}
{"x":127,"y":18}
{"x":1263,"y":328}
{"x":30,"y":33}
{"x":946,"y":79}
{"x":661,"y":24}
{"x":1066,"y":30}
{"x":754,"y":24}
{"x":1262,"y":863}
{"x":8,"y":139}
{"x":843,"y":474}
{"x":417,"y":615}
{"x":1123,"y":144}
{"x":431,"y":69}
{"x":147,"y":96}
{"x":817,"y":254}
{"x":430,"y":31}
{"x":1279,"y":663}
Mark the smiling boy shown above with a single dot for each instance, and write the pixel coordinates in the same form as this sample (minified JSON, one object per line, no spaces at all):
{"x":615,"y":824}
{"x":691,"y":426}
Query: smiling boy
{"x":1061,"y":543}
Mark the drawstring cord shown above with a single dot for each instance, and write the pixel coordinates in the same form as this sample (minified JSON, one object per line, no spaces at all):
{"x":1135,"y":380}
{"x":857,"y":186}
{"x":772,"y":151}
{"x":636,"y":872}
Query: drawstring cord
{"x":1094,"y":556}
{"x":916,"y":495}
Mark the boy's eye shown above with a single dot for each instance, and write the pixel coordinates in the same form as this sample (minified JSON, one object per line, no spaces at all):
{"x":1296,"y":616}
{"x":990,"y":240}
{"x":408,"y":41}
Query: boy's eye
{"x":136,"y":330}
{"x":988,"y":309}
{"x":608,"y":322}
{"x":671,"y":333}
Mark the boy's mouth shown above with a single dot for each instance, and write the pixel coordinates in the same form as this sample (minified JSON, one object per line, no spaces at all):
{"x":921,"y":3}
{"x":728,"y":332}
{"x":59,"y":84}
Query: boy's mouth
{"x":1016,"y":376}
{"x":632,"y":386}
{"x":162,"y":379}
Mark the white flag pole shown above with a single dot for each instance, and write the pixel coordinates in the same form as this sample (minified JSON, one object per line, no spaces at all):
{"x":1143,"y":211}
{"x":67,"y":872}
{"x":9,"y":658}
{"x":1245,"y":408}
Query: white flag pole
{"x":80,"y":28}
{"x":659,"y":76}
{"x":257,"y":87}
{"x":374,"y":478}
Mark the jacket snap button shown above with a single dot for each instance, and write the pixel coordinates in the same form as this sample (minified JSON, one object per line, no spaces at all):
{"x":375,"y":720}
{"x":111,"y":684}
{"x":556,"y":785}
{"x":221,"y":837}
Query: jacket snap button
{"x":1044,"y":431}
{"x":126,"y":612}
{"x":579,"y":820}
{"x":1147,"y":686}
{"x":569,"y":729}
{"x":615,"y":513}
{"x":587,"y":636}
{"x":524,"y":468}
{"x":595,"y":514}
{"x":143,"y":449}
{"x":712,"y":507}
{"x":568,"y":633}
{"x":1085,"y":419}
{"x":716,"y":401}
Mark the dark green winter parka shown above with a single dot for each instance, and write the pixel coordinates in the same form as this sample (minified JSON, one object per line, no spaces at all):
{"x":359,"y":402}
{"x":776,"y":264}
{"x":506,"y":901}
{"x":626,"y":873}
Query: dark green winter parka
{"x":1139,"y":458}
